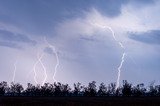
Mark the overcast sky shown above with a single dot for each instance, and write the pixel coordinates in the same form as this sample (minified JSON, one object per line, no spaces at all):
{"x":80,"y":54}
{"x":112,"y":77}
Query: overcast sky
{"x":87,"y":51}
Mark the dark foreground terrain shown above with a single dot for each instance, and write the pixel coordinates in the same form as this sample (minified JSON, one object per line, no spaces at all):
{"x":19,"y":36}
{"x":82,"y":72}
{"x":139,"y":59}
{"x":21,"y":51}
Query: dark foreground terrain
{"x":79,"y":101}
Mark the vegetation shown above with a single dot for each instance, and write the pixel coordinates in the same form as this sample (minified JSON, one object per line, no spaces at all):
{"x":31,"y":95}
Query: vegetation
{"x":79,"y":90}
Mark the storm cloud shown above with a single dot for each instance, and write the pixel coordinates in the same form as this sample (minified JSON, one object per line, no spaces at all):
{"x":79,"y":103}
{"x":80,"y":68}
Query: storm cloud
{"x":150,"y":37}
{"x":11,"y":39}
{"x":10,"y":45}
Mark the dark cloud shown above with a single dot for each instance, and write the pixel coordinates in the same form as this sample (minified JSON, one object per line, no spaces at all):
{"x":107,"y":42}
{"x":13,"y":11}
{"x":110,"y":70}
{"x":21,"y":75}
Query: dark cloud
{"x":10,"y":45}
{"x":142,"y":2}
{"x":151,"y":37}
{"x":110,"y":8}
{"x":39,"y":16}
{"x":13,"y":37}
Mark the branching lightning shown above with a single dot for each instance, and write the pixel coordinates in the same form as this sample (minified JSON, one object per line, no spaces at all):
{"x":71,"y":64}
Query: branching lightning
{"x":14,"y":72}
{"x":34,"y":69}
{"x":123,"y":55}
{"x":57,"y":58}
{"x":45,"y":72}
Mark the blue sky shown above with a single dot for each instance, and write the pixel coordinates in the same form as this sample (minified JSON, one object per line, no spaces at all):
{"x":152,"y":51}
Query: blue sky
{"x":86,"y":50}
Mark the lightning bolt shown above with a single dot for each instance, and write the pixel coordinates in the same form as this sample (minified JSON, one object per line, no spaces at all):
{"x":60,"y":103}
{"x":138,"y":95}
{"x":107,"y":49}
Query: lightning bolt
{"x":34,"y":69}
{"x":45,"y":72}
{"x":57,"y":58}
{"x":123,"y":55}
{"x":119,"y":70}
{"x":14,"y":72}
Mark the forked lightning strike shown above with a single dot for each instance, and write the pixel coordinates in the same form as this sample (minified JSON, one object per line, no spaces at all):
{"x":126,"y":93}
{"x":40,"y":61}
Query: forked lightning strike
{"x":14,"y":72}
{"x":45,"y":72}
{"x":57,"y":58}
{"x":123,"y":55}
{"x":34,"y":69}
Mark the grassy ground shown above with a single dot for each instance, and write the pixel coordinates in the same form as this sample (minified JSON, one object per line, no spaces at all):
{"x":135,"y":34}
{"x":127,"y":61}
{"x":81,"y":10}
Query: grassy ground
{"x":79,"y":101}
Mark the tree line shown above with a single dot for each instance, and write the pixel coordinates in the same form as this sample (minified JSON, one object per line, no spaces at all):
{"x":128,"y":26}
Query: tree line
{"x":91,"y":90}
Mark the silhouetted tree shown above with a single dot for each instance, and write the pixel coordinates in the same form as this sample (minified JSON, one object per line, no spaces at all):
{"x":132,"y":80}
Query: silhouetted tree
{"x":126,"y":89}
{"x":16,"y":89}
{"x":152,"y":89}
{"x":111,"y":89}
{"x":47,"y":89}
{"x":37,"y":90}
{"x":91,"y":89}
{"x":158,"y":90}
{"x":57,"y":89}
{"x":118,"y":92}
{"x":32,"y":90}
{"x":139,"y":90}
{"x":77,"y":89}
{"x":29,"y":90}
{"x":3,"y":87}
{"x":65,"y":89}
{"x":102,"y":90}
